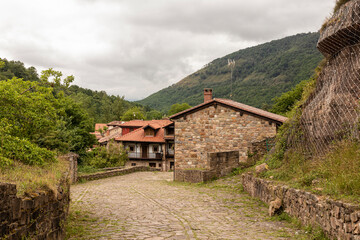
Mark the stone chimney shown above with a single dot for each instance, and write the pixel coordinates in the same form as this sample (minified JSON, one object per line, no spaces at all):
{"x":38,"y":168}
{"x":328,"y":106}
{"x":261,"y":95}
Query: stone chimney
{"x":207,"y":94}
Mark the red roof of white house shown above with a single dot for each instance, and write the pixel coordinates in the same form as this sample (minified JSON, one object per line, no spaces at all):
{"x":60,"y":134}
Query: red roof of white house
{"x":138,"y":135}
{"x":240,"y":106}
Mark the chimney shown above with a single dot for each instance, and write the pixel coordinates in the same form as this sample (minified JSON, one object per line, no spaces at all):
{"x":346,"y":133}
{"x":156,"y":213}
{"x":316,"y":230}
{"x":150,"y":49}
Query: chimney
{"x":207,"y":94}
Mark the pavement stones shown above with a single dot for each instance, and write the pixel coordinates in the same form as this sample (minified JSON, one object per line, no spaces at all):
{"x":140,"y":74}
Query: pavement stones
{"x":148,"y":205}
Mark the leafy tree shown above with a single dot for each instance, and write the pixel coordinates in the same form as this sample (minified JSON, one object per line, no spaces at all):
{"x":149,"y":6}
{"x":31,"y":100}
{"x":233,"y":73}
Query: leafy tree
{"x":35,"y":119}
{"x":57,"y":81}
{"x":287,"y":100}
{"x":133,"y":113}
{"x":113,"y":155}
{"x":175,"y":108}
{"x":154,"y":114}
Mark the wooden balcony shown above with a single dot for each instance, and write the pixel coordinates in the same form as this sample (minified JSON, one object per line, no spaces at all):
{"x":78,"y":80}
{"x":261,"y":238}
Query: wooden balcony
{"x":144,"y":156}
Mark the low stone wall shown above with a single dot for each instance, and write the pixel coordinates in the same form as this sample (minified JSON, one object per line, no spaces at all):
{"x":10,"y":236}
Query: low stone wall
{"x":73,"y":166}
{"x":39,"y":215}
{"x":221,"y":164}
{"x":193,"y":176}
{"x":338,"y":220}
{"x":116,"y":172}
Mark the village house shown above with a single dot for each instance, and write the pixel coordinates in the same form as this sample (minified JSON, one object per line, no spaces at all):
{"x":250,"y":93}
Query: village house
{"x":149,"y":143}
{"x":99,"y":130}
{"x":218,"y":125}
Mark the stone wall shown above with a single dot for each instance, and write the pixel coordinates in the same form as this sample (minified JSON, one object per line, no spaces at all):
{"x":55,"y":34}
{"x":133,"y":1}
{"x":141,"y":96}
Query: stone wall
{"x":116,"y":172}
{"x":38,"y":215}
{"x":332,"y":110}
{"x":258,"y":149}
{"x":73,"y":166}
{"x":216,"y":129}
{"x":338,"y":220}
{"x":220,"y":164}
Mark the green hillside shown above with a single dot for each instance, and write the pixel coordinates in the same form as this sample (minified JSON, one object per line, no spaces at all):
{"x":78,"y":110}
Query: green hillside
{"x":260,"y":74}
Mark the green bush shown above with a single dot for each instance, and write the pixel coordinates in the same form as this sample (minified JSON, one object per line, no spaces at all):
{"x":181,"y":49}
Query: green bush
{"x":113,"y":155}
{"x":24,"y":151}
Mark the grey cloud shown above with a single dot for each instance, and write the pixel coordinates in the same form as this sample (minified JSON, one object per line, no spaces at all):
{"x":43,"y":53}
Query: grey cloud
{"x":135,"y":48}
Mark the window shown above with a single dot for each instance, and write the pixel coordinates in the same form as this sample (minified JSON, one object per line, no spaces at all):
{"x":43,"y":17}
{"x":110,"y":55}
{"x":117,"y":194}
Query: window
{"x":155,"y":148}
{"x":170,"y":131}
{"x":171,"y":146}
{"x":159,"y":164}
{"x":152,"y":164}
{"x":132,"y":148}
{"x":133,"y":164}
{"x":149,"y":132}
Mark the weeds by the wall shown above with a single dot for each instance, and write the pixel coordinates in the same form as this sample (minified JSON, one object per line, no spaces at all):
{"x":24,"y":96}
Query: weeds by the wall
{"x":31,"y":178}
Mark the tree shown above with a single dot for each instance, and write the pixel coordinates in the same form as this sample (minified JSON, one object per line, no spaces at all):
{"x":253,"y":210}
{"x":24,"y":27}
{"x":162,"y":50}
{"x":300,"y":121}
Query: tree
{"x":154,"y":114}
{"x":175,"y":108}
{"x":57,"y":81}
{"x":133,"y":113}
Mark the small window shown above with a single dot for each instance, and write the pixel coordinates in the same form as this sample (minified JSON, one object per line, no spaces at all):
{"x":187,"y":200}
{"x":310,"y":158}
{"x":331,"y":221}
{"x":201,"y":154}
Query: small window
{"x":170,"y":131}
{"x":133,"y":164}
{"x":159,"y":164}
{"x":132,"y":148}
{"x":149,"y":132}
{"x":152,"y":164}
{"x":155,"y":148}
{"x":171,"y":146}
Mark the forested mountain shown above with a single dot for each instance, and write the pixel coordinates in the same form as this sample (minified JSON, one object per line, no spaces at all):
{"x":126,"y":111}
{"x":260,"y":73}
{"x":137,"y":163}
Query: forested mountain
{"x":260,"y":74}
{"x":100,"y":106}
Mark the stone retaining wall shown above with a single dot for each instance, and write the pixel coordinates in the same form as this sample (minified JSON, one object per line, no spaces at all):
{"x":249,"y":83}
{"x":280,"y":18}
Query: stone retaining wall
{"x":220,"y":164}
{"x":116,"y":172}
{"x":38,"y":215}
{"x":338,"y":220}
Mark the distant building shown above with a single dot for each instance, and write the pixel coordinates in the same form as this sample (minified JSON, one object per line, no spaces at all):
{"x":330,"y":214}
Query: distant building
{"x":218,"y":125}
{"x":99,"y":130}
{"x":149,"y":143}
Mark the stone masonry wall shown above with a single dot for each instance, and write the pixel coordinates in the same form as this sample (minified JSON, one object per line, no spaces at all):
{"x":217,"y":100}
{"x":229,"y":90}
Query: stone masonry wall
{"x":116,"y":172}
{"x":221,"y":164}
{"x":216,"y":129}
{"x":38,"y":215}
{"x":332,"y":111}
{"x":338,"y":220}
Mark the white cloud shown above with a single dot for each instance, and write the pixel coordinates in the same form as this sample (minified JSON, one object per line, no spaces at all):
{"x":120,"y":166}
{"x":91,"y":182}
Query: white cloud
{"x":135,"y":48}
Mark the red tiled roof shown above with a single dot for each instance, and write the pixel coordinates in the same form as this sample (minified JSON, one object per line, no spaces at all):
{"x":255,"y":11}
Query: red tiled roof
{"x":138,"y":135}
{"x":100,"y":126}
{"x":115,"y":123}
{"x":240,"y":106}
{"x":143,"y":123}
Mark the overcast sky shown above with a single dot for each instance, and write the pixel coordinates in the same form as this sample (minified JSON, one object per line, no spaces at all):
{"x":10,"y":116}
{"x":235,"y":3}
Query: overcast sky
{"x":133,"y":48}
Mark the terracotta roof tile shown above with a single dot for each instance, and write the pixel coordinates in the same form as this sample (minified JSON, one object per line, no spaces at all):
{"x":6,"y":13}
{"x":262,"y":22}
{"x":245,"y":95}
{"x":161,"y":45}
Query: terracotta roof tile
{"x":237,"y":105}
{"x":100,"y":126}
{"x":138,"y":135}
{"x":115,"y":123}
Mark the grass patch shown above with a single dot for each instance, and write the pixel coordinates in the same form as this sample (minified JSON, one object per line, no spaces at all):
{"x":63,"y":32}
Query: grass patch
{"x":336,"y":174}
{"x":31,"y":178}
{"x":308,"y":232}
{"x":83,"y":224}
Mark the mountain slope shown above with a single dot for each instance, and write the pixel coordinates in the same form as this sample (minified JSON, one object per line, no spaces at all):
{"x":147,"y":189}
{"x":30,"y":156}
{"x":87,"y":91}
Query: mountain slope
{"x":260,"y":74}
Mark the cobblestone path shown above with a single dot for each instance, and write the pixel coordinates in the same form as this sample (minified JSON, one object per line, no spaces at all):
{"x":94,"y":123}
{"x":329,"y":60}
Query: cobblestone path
{"x":148,"y":205}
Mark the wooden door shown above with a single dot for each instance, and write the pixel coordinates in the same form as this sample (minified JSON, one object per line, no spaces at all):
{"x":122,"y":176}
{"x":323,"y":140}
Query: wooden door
{"x":144,"y":151}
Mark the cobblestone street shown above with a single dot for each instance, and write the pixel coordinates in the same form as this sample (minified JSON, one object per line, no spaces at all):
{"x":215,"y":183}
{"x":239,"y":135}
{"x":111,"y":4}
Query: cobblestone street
{"x":148,"y":205}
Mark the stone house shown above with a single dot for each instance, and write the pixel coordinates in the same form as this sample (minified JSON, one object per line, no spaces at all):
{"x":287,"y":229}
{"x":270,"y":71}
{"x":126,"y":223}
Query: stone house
{"x":149,"y":143}
{"x":219,"y":125}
